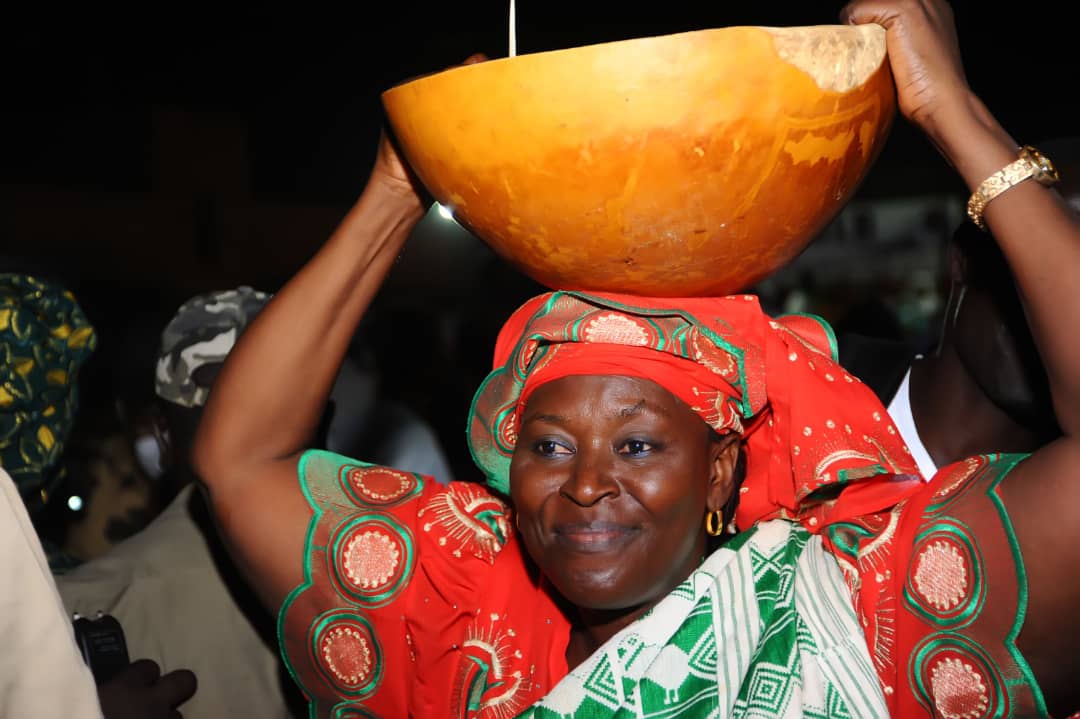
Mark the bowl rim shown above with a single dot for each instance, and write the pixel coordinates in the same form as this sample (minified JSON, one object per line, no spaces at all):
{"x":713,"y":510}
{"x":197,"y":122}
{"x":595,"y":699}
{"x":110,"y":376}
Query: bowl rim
{"x":635,"y":40}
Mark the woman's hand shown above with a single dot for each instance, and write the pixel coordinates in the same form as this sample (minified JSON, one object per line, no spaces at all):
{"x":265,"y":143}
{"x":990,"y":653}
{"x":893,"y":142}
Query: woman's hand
{"x":394,"y":174}
{"x":141,"y":691}
{"x":924,"y":54}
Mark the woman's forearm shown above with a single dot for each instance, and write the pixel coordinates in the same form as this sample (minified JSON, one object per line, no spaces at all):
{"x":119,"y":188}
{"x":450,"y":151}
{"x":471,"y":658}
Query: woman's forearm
{"x":1040,"y":238}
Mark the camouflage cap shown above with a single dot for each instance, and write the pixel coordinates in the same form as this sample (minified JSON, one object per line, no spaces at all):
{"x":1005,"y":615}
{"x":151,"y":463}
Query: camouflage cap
{"x":202,"y":333}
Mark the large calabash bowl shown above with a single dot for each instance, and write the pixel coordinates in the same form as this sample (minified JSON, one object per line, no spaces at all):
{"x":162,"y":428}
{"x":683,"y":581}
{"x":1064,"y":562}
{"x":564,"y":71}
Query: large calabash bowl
{"x":679,"y":165}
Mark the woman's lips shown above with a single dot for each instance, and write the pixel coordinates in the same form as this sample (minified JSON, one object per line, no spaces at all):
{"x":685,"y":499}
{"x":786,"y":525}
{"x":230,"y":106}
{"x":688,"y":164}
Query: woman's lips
{"x":593,"y":537}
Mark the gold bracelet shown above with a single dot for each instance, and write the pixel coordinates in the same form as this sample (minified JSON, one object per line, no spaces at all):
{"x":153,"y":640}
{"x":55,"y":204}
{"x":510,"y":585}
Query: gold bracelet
{"x":1031,"y":164}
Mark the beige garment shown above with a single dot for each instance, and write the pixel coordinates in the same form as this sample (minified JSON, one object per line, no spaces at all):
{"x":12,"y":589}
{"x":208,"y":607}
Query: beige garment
{"x":42,"y":673}
{"x":164,"y":586}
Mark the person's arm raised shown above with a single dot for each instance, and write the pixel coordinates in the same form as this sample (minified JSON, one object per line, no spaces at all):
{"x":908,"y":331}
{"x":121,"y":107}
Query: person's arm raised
{"x":1040,"y":238}
{"x":267,"y":401}
{"x":1036,"y":230}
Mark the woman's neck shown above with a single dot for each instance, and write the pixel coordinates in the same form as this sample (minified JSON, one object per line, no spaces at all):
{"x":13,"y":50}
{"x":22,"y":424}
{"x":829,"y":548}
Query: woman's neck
{"x":593,"y":627}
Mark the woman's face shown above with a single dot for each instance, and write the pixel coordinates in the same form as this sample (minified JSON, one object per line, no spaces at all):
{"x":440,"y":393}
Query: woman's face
{"x":611,"y":479}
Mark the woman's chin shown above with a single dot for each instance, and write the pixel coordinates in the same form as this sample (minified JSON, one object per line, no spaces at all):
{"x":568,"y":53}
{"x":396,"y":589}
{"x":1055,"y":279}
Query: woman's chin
{"x":595,"y":594}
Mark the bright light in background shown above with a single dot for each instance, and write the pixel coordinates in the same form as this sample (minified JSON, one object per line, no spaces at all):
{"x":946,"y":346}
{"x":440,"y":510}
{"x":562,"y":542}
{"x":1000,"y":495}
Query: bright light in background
{"x":75,"y":503}
{"x":444,"y":211}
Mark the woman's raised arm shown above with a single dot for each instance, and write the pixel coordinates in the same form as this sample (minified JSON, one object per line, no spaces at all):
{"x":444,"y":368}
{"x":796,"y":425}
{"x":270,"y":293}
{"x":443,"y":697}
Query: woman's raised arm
{"x":267,"y":401}
{"x":1040,"y":237}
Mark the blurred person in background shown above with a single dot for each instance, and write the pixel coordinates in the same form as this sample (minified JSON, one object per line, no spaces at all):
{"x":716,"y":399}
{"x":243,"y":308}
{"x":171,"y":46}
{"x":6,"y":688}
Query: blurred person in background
{"x":172,"y":586}
{"x":44,"y":340}
{"x":982,"y":387}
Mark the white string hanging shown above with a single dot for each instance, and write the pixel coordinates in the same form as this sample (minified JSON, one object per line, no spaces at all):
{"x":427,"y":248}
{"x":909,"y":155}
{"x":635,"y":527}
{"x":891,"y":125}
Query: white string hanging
{"x":513,"y":31}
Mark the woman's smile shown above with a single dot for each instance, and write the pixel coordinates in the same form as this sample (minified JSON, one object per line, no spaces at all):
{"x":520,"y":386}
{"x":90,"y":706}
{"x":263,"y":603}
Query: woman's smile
{"x":595,"y":537}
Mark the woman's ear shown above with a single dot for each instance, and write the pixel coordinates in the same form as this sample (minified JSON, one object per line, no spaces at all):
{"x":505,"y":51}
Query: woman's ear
{"x":723,"y":456}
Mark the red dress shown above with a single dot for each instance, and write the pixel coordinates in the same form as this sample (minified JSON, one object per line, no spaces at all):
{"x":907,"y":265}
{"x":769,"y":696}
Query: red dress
{"x":389,"y":621}
{"x":420,"y":602}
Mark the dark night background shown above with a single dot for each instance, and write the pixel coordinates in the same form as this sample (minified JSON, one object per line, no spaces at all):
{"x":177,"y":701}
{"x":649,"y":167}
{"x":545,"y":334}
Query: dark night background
{"x":150,"y":156}
{"x":305,"y":82}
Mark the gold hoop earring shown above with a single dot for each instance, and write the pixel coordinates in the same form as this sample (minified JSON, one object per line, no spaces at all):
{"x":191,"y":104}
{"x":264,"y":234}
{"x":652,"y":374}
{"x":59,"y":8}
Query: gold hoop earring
{"x":714,"y":523}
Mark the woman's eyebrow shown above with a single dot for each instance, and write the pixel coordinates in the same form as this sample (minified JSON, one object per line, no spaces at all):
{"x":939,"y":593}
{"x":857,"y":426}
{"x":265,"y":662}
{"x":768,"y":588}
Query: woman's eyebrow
{"x":641,"y":407}
{"x":543,"y":417}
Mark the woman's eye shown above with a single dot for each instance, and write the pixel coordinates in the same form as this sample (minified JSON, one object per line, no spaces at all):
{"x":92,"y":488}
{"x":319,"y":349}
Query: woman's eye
{"x":551,"y":448}
{"x":635,"y":447}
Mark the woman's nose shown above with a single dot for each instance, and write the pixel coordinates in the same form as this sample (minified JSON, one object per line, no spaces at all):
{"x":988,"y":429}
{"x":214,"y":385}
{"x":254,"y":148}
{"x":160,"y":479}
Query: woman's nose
{"x":591,"y":478}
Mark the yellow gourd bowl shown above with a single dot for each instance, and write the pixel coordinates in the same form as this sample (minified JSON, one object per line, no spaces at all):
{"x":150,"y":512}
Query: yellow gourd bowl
{"x":679,"y":165}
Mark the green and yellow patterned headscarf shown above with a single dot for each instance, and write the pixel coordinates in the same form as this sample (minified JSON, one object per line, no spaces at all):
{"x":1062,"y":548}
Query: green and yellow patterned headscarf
{"x":44,"y":339}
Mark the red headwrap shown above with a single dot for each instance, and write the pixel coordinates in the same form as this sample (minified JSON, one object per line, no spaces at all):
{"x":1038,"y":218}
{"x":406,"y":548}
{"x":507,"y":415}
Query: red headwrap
{"x":808,"y":426}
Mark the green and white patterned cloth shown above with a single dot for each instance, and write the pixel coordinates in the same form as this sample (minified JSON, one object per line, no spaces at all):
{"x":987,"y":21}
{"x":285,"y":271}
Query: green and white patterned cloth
{"x":764,"y":628}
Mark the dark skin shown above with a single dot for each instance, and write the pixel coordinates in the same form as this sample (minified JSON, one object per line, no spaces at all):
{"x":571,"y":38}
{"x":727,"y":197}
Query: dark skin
{"x":610,"y":473}
{"x":933,"y":94}
{"x":986,"y":375}
{"x":139,"y":691}
{"x":248,"y":444}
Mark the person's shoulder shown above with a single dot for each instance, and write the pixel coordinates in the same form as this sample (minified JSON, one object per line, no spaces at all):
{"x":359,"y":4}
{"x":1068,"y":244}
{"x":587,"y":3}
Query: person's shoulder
{"x":463,"y":519}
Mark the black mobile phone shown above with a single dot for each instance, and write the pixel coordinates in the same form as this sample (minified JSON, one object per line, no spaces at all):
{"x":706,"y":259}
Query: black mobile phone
{"x":101,"y":641}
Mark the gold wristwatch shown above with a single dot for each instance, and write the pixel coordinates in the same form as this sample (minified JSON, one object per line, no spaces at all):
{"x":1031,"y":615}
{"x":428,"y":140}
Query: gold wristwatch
{"x":1031,"y":164}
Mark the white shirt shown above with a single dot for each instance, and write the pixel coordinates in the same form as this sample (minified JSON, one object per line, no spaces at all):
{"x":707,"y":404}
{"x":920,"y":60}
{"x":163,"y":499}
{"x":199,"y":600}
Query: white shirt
{"x":900,"y":411}
{"x":42,"y":673}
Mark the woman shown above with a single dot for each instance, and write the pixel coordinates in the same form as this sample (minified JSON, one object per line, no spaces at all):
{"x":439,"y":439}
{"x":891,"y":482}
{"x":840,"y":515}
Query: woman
{"x":626,"y":431}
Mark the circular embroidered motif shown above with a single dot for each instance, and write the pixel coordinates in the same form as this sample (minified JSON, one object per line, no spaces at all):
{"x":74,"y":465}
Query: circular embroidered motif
{"x":715,"y":359}
{"x":954,"y":677}
{"x":959,"y":689}
{"x":371,"y":559}
{"x":941,"y":575}
{"x":945,"y":582}
{"x":379,"y":486}
{"x":346,"y":653}
{"x":615,"y":329}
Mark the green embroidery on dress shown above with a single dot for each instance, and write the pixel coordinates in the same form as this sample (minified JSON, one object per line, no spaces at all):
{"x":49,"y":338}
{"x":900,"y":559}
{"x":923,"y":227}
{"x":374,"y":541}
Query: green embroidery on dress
{"x":352,"y":493}
{"x":496,"y":521}
{"x":347,"y":532}
{"x":478,"y":684}
{"x":1005,"y":463}
{"x":830,"y":333}
{"x":843,"y":476}
{"x":350,"y":710}
{"x":958,"y":657}
{"x":318,"y":473}
{"x":968,"y":577}
{"x":340,"y":620}
{"x":951,"y":651}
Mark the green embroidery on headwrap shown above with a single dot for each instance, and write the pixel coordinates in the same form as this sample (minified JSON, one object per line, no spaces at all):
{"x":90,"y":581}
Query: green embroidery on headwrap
{"x":44,"y":340}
